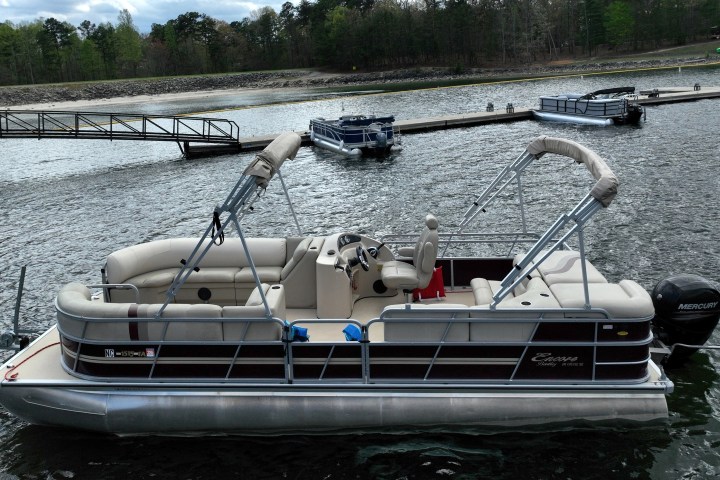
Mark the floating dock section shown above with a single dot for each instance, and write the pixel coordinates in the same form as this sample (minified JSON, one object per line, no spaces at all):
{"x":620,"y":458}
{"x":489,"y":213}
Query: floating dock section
{"x":199,"y":136}
{"x":508,"y":113}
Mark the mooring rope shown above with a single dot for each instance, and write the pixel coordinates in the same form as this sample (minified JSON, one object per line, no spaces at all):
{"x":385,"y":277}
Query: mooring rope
{"x":12,"y":377}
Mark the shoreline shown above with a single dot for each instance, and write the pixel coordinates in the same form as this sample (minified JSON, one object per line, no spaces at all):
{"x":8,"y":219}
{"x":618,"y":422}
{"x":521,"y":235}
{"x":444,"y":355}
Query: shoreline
{"x":73,"y":105}
{"x":106,"y":93}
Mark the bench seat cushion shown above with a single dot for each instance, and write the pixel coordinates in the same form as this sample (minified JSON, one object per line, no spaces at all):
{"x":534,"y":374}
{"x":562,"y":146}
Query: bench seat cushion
{"x":626,"y":299}
{"x":399,"y":274}
{"x":213,"y":275}
{"x":161,"y":255}
{"x":164,"y":277}
{"x":260,"y":330}
{"x":483,"y":290}
{"x":208,"y":326}
{"x":267,"y":274}
{"x":224,"y":269}
{"x":159,"y":278}
{"x":563,"y":266}
{"x":75,"y":299}
{"x":153,"y":286}
{"x":537,"y":295}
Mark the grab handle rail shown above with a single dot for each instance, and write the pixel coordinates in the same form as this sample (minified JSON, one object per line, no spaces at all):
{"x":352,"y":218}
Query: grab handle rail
{"x":119,"y":286}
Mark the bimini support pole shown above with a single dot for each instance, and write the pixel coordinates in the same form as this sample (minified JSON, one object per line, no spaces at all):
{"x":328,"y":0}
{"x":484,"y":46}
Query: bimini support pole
{"x":511,"y":173}
{"x":246,"y":191}
{"x":600,"y":196}
{"x":580,"y":215}
{"x":287,"y":195}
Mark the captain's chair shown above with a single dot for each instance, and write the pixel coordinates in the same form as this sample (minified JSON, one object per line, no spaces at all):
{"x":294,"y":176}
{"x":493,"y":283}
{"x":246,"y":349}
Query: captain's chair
{"x":402,"y":275}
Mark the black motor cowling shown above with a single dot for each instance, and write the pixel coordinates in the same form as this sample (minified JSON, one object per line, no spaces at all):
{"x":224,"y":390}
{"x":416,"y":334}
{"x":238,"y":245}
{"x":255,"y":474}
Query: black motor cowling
{"x":687,"y":310}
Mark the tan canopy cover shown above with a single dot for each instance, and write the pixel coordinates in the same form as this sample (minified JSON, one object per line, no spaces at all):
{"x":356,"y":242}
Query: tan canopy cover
{"x":606,"y":187}
{"x":270,"y":160}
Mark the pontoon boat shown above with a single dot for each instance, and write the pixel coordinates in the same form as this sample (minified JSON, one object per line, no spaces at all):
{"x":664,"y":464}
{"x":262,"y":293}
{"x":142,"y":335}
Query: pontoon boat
{"x":603,"y":107}
{"x":355,"y":135}
{"x":345,"y":332}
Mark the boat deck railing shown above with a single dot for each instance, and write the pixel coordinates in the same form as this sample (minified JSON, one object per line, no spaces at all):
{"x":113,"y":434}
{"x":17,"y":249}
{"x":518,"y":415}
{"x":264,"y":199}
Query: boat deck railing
{"x":605,"y":107}
{"x":508,"y":242}
{"x":582,"y":353}
{"x":355,"y":135}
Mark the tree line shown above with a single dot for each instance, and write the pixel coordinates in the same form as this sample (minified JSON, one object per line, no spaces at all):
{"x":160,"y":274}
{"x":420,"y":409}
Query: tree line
{"x":349,"y":34}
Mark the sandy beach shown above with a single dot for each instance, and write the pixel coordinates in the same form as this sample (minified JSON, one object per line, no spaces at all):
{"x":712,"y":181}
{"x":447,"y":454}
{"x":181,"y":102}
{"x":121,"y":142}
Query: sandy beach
{"x":97,"y":94}
{"x":91,"y":104}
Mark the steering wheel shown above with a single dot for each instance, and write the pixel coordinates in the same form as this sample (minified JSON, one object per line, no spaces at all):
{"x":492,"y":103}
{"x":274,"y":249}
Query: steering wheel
{"x":362,"y":258}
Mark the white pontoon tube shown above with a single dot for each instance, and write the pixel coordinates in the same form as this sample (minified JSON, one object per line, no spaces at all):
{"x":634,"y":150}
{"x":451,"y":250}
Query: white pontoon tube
{"x":335,"y":147}
{"x":576,"y":119}
{"x":600,"y":196}
{"x":252,"y":183}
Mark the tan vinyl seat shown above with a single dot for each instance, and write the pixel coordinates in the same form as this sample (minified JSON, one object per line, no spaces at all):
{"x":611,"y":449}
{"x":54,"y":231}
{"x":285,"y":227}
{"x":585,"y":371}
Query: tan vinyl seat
{"x":402,"y":275}
{"x":564,"y":266}
{"x":264,"y":330}
{"x":76,"y":314}
{"x":536,"y":297}
{"x":483,"y":290}
{"x":626,"y":299}
{"x":298,"y":276}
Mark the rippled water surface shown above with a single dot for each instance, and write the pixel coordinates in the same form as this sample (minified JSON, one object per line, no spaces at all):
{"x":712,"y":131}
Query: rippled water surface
{"x":67,"y":204}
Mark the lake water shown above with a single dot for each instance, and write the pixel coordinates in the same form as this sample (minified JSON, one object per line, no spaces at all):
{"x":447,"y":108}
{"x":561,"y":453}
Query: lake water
{"x":67,"y":204}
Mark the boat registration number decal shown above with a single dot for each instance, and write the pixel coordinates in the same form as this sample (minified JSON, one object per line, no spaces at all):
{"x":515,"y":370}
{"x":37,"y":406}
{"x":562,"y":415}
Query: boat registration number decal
{"x":112,"y":353}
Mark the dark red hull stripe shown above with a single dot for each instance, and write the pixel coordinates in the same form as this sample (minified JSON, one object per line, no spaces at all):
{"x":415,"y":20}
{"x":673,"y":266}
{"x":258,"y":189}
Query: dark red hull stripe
{"x":133,"y":326}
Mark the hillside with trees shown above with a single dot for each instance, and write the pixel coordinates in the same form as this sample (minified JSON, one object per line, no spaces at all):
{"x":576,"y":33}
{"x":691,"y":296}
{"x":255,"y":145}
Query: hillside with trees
{"x":346,"y":35}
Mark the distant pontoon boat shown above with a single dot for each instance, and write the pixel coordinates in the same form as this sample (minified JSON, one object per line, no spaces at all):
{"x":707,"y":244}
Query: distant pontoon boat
{"x":355,"y":135}
{"x":603,"y":107}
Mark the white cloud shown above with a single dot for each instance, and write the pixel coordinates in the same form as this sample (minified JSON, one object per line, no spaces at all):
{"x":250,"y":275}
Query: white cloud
{"x":144,"y":12}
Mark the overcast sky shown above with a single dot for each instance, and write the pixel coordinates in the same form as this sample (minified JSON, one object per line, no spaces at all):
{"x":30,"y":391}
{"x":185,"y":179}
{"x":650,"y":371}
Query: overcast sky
{"x":144,"y":12}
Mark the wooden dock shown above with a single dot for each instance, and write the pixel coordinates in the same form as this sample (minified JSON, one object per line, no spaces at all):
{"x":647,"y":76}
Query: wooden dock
{"x":677,"y":94}
{"x":656,"y":96}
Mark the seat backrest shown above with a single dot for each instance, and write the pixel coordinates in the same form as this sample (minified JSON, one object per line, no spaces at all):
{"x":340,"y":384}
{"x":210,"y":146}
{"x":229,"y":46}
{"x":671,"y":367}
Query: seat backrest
{"x":299,"y":274}
{"x":426,"y":250}
{"x":269,"y":330}
{"x":135,"y":260}
{"x":296,"y":257}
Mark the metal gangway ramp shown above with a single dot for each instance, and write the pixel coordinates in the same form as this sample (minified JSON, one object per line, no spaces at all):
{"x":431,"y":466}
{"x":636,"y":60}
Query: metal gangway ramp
{"x":214,"y":135}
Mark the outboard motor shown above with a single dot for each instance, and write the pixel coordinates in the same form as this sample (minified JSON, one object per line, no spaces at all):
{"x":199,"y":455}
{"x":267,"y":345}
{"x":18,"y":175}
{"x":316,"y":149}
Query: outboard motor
{"x":381,"y":140}
{"x":687,"y":310}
